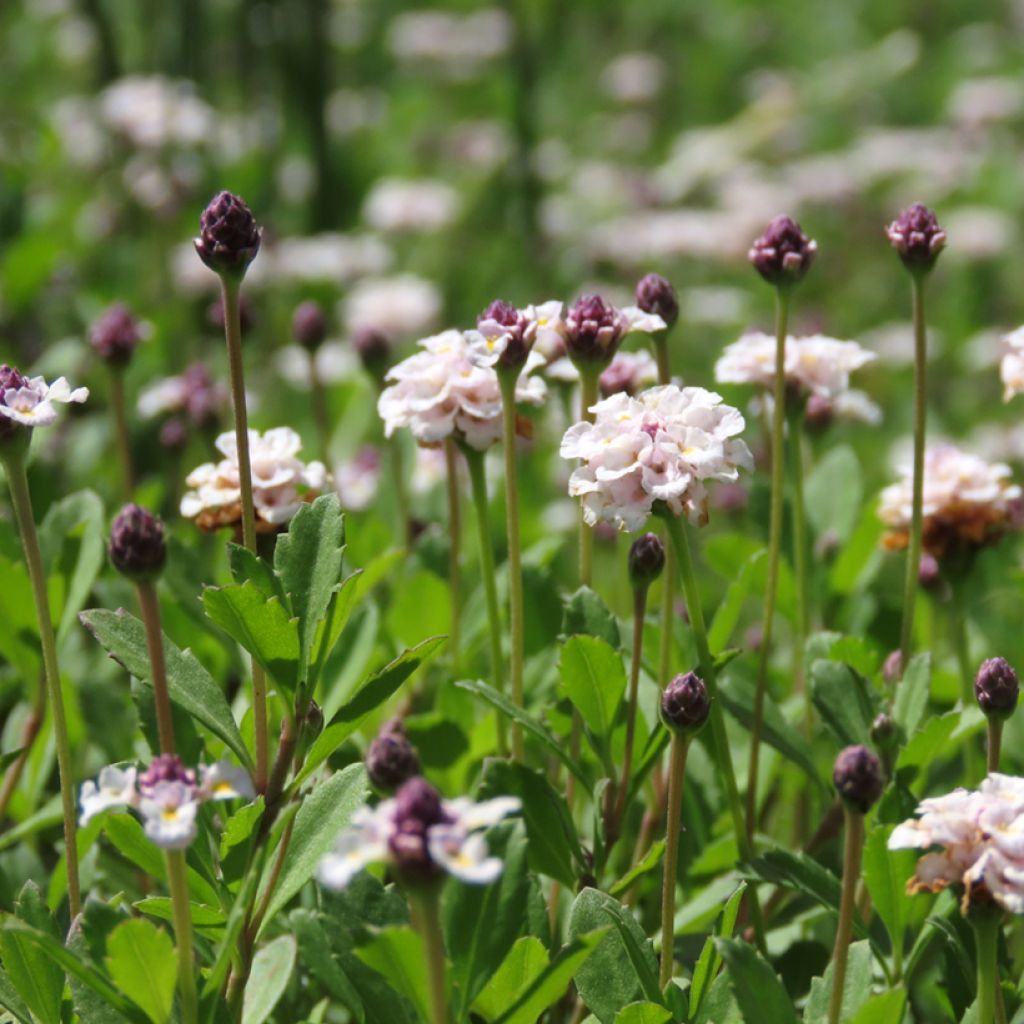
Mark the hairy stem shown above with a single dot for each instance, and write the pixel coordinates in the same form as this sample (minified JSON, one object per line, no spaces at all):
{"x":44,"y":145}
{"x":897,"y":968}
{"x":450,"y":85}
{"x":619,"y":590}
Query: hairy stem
{"x":852,"y":851}
{"x":177,"y":882}
{"x":150,"y":607}
{"x":454,"y":561}
{"x":673,"y":824}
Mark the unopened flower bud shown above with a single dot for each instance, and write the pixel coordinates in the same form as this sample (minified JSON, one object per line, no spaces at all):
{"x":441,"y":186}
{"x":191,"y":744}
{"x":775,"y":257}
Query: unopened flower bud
{"x":165,"y":768}
{"x":858,"y":777}
{"x":417,"y":807}
{"x":229,"y":237}
{"x":783,"y":254}
{"x":646,"y":560}
{"x":655,"y":295}
{"x":685,"y":704}
{"x":115,"y":335}
{"x":996,"y":686}
{"x":928,"y":575}
{"x":892,"y":667}
{"x":374,"y":351}
{"x":174,"y":434}
{"x":390,"y":758}
{"x":137,"y":545}
{"x":915,"y":234}
{"x":593,"y":330}
{"x":884,"y":731}
{"x":10,"y":380}
{"x":309,"y":325}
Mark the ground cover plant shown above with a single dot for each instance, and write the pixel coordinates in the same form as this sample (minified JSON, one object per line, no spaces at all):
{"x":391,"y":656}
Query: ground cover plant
{"x":510,"y":514}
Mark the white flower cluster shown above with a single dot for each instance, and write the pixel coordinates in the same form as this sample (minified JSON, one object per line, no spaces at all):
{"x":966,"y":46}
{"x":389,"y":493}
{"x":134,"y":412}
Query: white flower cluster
{"x":966,"y":501}
{"x":280,"y":481}
{"x":29,"y":400}
{"x":398,"y":205}
{"x":166,"y":796}
{"x":541,"y":326}
{"x":154,"y":112}
{"x":441,"y":390}
{"x":981,"y":838}
{"x":1011,"y":369}
{"x":662,"y":445}
{"x":814,"y":364}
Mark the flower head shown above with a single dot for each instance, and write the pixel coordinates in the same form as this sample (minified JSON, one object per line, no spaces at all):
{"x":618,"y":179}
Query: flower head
{"x":137,"y":545}
{"x":441,"y":391}
{"x":915,"y":234}
{"x":656,"y":295}
{"x":595,"y":328}
{"x":115,"y":335}
{"x":28,"y":401}
{"x":628,"y":372}
{"x":356,"y":481}
{"x":229,"y":237}
{"x":646,"y":560}
{"x":858,"y":778}
{"x":194,"y":392}
{"x":421,"y":836}
{"x":505,"y":336}
{"x":686,"y":704}
{"x":309,"y":325}
{"x":115,"y":787}
{"x":968,"y":503}
{"x":783,"y":254}
{"x":391,"y":759}
{"x":281,"y":482}
{"x":997,"y":688}
{"x":663,"y":445}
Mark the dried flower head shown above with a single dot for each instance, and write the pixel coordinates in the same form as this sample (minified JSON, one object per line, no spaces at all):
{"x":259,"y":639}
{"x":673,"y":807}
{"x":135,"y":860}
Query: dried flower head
{"x":686,"y":704}
{"x":662,"y":446}
{"x":138,"y":548}
{"x":997,"y":688}
{"x":915,"y":234}
{"x":115,"y":335}
{"x":309,"y":325}
{"x":783,"y":254}
{"x":646,"y":560}
{"x":390,"y":758}
{"x":229,"y":237}
{"x":595,"y":328}
{"x":28,"y":401}
{"x":655,"y":295}
{"x":858,"y":777}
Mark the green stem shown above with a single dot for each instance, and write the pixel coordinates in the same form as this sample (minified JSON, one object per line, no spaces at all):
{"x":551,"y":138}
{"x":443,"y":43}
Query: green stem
{"x":987,"y":924}
{"x":454,"y":562}
{"x":639,"y":612}
{"x":401,"y":499}
{"x":177,"y":882}
{"x":958,"y":631}
{"x":722,"y":755}
{"x":233,"y":335}
{"x":589,"y":378}
{"x":852,"y":851}
{"x":318,"y":402}
{"x":21,"y":499}
{"x":478,"y":483}
{"x":124,"y":449}
{"x":661,"y":353}
{"x":507,"y":379}
{"x":800,"y":569}
{"x":916,"y":515}
{"x":673,"y":824}
{"x":774,"y":547}
{"x":995,"y":742}
{"x":425,"y":907}
{"x":150,"y":607}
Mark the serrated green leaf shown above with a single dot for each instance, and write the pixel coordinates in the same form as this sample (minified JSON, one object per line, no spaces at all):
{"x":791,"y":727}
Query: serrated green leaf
{"x":160,"y":907}
{"x":594,"y":679}
{"x":885,"y":874}
{"x":912,"y":694}
{"x":247,"y":566}
{"x":190,"y":686}
{"x":35,"y":977}
{"x":844,"y":700}
{"x":343,"y":601}
{"x":142,"y":963}
{"x":271,"y":968}
{"x":12,"y":1002}
{"x":856,"y":987}
{"x":586,"y":614}
{"x":759,"y":992}
{"x":397,"y":954}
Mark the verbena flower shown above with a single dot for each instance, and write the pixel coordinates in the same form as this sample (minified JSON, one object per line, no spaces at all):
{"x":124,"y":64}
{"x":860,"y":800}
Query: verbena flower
{"x":506,"y":335}
{"x":968,"y":502}
{"x":814,"y":365}
{"x":165,"y":796}
{"x":662,"y":445}
{"x":440,"y":391}
{"x":29,"y":401}
{"x":421,"y":836}
{"x":594,"y":328}
{"x":980,"y":836}
{"x":281,"y":482}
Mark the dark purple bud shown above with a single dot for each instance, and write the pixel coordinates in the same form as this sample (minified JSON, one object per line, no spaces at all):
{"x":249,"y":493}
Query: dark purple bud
{"x":892,"y":668}
{"x":593,"y":331}
{"x":646,"y":560}
{"x":655,"y":295}
{"x":215,"y":314}
{"x":390,"y":758}
{"x":203,"y":396}
{"x":137,"y":545}
{"x":996,"y":686}
{"x":501,"y":318}
{"x":10,"y":380}
{"x":374,"y":351}
{"x":915,"y":234}
{"x":165,"y":768}
{"x":229,"y":237}
{"x":115,"y":336}
{"x":928,"y":575}
{"x":174,"y":434}
{"x":858,"y":777}
{"x":685,"y":704}
{"x":783,"y":254}
{"x":884,"y":731}
{"x":818,"y":413}
{"x":417,"y":807}
{"x":309,"y":325}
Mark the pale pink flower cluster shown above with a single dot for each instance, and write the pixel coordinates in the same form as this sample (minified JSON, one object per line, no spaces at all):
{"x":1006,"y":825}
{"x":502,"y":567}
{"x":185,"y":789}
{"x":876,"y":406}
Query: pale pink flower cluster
{"x":441,"y":391}
{"x":280,"y":481}
{"x":967,"y":501}
{"x":30,"y":403}
{"x":1011,"y":369}
{"x":662,"y":445}
{"x":541,"y":326}
{"x":981,"y":838}
{"x":814,"y":364}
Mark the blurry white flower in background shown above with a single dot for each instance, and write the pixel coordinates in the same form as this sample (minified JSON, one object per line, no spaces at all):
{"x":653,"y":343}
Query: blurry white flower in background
{"x":349,"y":111}
{"x":399,"y":306}
{"x":82,"y":136}
{"x":1011,"y":370}
{"x":356,"y":481}
{"x":429,"y":470}
{"x":977,"y":102}
{"x":156,"y":112}
{"x":981,"y":232}
{"x":483,"y":144}
{"x":633,"y":77}
{"x":335,"y":362}
{"x":394,"y":204}
{"x":458,"y":45}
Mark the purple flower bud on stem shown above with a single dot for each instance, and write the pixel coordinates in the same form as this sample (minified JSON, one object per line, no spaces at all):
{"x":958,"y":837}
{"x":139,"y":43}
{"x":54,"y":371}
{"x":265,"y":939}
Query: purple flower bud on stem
{"x":137,"y":545}
{"x":390,"y":758}
{"x":858,"y":777}
{"x":997,"y":687}
{"x":646,"y":560}
{"x":514,"y":325}
{"x":10,"y":380}
{"x":593,"y":330}
{"x":686,"y":704}
{"x":229,"y":237}
{"x":655,"y":295}
{"x":374,"y":351}
{"x":309,"y":325}
{"x":915,"y":234}
{"x":892,"y":667}
{"x":783,"y":254}
{"x":417,"y":807}
{"x":115,"y":335}
{"x":166,"y":768}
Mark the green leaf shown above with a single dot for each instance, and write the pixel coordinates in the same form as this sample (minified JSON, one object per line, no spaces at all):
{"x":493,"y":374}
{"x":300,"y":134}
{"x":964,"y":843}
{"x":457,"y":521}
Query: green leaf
{"x":844,"y":700}
{"x":323,"y":814}
{"x":927,"y":742}
{"x":308,"y":561}
{"x":729,"y":611}
{"x":608,"y":980}
{"x":190,"y":686}
{"x":644,"y":1013}
{"x":550,"y":985}
{"x":481,"y":922}
{"x":377,"y":689}
{"x":856,"y":987}
{"x":594,"y":679}
{"x":586,"y":614}
{"x":886,"y":1008}
{"x":912,"y":694}
{"x":271,"y":968}
{"x":650,"y":861}
{"x":524,"y":963}
{"x":12,"y":1002}
{"x":554,"y":848}
{"x":833,"y":492}
{"x":885,"y":874}
{"x":710,"y":959}
{"x":37,"y":979}
{"x":757,"y":988}
{"x":261,"y":626}
{"x":315,"y":954}
{"x":248,"y":567}
{"x":141,"y":962}
{"x":799,"y":872}
{"x":397,"y":954}
{"x":720,"y":1006}
{"x":343,"y":602}
{"x":638,"y":949}
{"x":162,"y":908}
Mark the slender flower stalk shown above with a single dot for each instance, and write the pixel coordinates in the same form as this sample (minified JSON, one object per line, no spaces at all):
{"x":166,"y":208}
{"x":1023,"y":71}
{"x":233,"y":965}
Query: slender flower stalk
{"x":673,"y":826}
{"x":958,"y":633}
{"x":124,"y":450}
{"x":150,"y":607}
{"x":177,"y":881}
{"x":782,"y":296}
{"x":425,"y":903}
{"x":987,"y":922}
{"x":454,"y":562}
{"x":478,"y":483}
{"x":309,"y":327}
{"x":507,"y":378}
{"x":800,"y":567}
{"x":12,"y":454}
